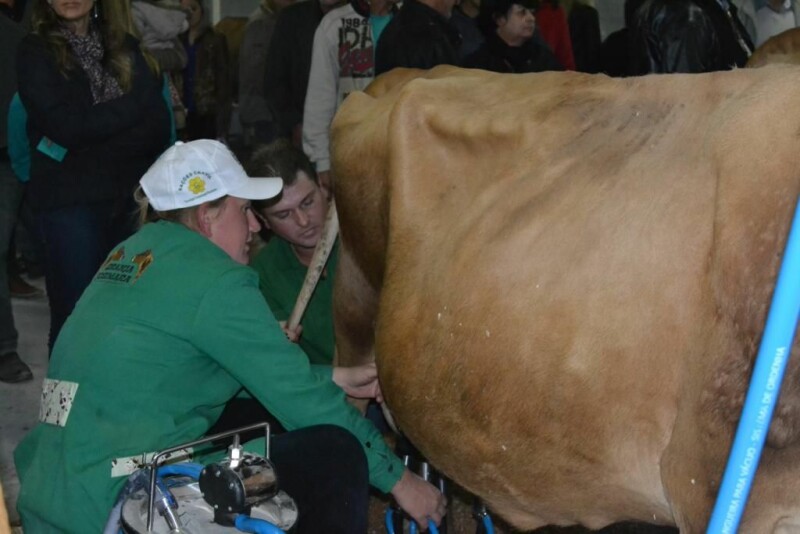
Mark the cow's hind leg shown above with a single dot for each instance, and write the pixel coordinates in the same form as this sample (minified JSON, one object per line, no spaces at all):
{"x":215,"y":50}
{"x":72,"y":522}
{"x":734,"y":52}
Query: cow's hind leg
{"x":355,"y":305}
{"x":709,"y":405}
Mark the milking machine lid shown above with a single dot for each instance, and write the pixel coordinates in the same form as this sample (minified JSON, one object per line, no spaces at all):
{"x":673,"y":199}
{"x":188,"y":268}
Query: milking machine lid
{"x":196,"y":515}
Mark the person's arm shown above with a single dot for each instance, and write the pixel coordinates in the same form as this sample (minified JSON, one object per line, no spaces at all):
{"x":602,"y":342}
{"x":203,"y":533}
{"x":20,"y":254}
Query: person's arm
{"x":19,"y":151}
{"x":222,"y":85}
{"x":71,"y":124}
{"x":321,"y":97}
{"x":747,"y":16}
{"x":278,"y":76}
{"x":278,"y":374}
{"x":164,"y":23}
{"x":564,"y":43}
{"x":233,"y":326}
{"x":171,"y":59}
{"x":252,"y":62}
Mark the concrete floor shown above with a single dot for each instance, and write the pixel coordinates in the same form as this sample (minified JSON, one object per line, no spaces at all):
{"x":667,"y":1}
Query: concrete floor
{"x":19,"y":403}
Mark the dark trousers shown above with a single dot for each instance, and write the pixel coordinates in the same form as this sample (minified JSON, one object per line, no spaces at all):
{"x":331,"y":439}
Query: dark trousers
{"x":324,"y":469}
{"x":77,"y":240}
{"x":10,"y":198}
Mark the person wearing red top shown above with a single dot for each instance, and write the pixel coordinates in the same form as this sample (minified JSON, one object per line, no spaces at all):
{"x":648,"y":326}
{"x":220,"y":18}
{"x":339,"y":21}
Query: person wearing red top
{"x":552,"y":23}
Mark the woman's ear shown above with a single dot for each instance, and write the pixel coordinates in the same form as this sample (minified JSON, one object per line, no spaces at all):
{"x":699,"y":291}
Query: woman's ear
{"x":201,"y":219}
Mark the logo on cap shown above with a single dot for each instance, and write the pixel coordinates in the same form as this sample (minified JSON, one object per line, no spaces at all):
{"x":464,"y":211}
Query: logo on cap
{"x":197,"y":185}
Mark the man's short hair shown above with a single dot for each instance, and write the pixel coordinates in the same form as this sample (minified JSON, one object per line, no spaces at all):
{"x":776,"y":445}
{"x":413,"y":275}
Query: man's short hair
{"x":280,"y":158}
{"x":491,"y":10}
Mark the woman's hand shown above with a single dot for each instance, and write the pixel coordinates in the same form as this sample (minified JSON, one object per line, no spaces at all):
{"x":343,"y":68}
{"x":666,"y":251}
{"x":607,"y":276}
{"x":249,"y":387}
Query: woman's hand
{"x":420,"y":499}
{"x":360,"y":382}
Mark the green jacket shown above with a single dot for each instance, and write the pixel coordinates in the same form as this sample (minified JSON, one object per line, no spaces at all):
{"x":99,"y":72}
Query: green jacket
{"x":280,"y":277}
{"x":168,"y":331}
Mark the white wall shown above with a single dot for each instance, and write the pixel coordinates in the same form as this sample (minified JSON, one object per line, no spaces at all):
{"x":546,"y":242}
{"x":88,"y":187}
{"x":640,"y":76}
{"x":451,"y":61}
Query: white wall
{"x":219,"y":9}
{"x":612,"y":15}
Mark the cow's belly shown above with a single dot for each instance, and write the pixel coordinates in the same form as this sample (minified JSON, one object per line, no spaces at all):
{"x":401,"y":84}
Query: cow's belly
{"x":543,"y":437}
{"x":550,"y":386}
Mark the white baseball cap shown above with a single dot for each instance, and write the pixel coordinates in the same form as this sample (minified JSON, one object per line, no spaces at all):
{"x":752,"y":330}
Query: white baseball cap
{"x":188,"y":174}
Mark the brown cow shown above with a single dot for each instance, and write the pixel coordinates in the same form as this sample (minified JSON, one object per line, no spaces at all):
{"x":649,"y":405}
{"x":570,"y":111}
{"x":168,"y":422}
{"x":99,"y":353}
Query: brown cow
{"x":781,"y":48}
{"x":565,"y":278}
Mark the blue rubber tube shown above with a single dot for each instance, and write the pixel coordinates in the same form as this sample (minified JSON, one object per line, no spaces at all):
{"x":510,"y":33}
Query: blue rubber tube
{"x":412,"y":528}
{"x":776,"y":344}
{"x":487,"y":524}
{"x":181,"y":469}
{"x":246,"y":523}
{"x":390,"y":520}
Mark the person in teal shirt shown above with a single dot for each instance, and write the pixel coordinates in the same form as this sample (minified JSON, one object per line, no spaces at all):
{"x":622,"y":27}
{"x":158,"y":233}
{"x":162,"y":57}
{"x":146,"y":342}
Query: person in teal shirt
{"x":173,"y":326}
{"x":296,"y":218}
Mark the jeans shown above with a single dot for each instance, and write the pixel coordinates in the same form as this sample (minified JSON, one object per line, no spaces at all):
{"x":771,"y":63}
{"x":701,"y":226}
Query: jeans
{"x":324,"y":469}
{"x":77,"y":240}
{"x":10,"y":198}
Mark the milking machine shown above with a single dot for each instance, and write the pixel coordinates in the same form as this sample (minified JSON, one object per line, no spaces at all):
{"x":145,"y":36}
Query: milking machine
{"x":394,"y":519}
{"x":238,"y":494}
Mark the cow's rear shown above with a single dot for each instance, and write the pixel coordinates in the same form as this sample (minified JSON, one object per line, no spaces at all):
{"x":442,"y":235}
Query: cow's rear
{"x":567,"y":277}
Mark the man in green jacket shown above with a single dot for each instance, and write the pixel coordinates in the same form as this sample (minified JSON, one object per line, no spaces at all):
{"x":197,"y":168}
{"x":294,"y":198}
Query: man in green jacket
{"x":296,"y":219}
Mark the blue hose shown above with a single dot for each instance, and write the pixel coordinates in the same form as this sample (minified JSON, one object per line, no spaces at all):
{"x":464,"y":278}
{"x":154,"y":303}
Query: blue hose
{"x":762,"y":394}
{"x":390,"y":520}
{"x":487,"y":524}
{"x":246,"y":523}
{"x":182,"y":469}
{"x":389,"y":517}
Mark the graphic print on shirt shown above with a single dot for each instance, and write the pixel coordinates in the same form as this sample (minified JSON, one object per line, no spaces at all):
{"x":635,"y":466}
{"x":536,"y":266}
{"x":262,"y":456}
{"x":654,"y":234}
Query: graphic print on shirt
{"x":118,"y":271}
{"x":355,"y":49}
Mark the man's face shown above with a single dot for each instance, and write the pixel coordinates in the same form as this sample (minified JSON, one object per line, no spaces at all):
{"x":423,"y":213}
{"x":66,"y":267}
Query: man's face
{"x":195,"y":11}
{"x":518,"y":25}
{"x":300,"y":214}
{"x":232,"y":226}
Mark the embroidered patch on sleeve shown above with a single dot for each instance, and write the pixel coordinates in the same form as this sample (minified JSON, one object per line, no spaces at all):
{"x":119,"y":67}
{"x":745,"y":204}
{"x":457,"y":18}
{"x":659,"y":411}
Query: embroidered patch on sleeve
{"x":119,"y":271}
{"x":122,"y":467}
{"x":56,"y":402}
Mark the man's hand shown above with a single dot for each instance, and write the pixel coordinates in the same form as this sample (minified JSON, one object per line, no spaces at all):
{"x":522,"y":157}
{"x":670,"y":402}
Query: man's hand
{"x":360,"y":382}
{"x":420,"y":499}
{"x":291,"y":335}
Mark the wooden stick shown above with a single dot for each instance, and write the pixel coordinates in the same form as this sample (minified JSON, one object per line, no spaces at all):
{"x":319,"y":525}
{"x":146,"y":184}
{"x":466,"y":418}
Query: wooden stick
{"x":318,"y":260}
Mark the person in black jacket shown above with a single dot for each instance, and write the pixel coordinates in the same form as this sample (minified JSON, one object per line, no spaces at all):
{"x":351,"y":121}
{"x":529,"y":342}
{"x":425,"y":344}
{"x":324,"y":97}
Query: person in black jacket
{"x":96,"y":121}
{"x":419,"y":36}
{"x":289,"y":64}
{"x":688,"y":36}
{"x":510,"y":45}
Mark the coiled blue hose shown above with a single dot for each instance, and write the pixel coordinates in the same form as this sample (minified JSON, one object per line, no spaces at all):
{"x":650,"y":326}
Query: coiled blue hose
{"x":182,"y":469}
{"x":245,"y":523}
{"x":389,"y":520}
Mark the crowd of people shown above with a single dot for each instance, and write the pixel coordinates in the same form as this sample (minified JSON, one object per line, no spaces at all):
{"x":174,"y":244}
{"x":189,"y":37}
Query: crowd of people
{"x":114,"y":161}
